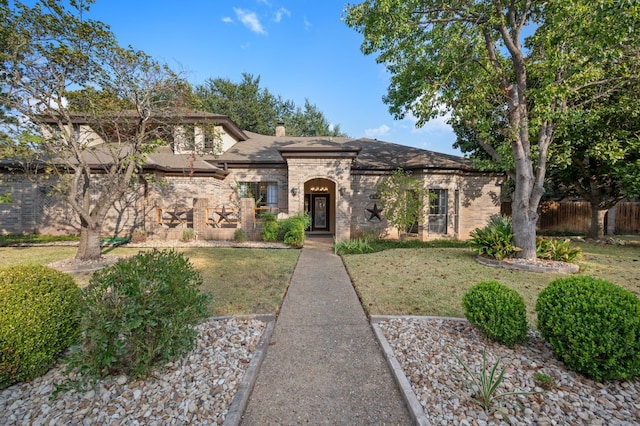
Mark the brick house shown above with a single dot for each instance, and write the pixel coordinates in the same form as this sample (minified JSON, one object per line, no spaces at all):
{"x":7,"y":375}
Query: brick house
{"x":332,"y":178}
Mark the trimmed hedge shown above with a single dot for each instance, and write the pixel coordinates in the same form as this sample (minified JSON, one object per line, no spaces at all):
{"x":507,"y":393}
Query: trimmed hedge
{"x":593,"y":326}
{"x":38,"y":320}
{"x":498,"y":311}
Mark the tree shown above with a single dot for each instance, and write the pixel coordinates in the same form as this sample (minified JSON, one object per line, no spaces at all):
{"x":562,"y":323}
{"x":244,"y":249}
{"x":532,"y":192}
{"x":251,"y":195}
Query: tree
{"x":597,"y":156}
{"x":53,"y":50}
{"x":402,"y":199}
{"x":471,"y":58}
{"x":257,"y":110}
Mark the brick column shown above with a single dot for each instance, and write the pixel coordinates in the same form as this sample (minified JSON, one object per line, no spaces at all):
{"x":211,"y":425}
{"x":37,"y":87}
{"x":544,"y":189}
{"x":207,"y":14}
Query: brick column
{"x":200,"y":217}
{"x":247,"y":215}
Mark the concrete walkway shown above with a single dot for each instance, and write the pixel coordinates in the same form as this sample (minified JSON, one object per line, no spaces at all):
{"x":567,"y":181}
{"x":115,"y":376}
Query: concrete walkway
{"x":324,"y":365}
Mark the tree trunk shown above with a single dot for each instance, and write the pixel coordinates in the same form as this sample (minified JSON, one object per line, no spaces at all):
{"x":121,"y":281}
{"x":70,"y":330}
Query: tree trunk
{"x":89,"y":246}
{"x":524,"y":230}
{"x":596,"y":230}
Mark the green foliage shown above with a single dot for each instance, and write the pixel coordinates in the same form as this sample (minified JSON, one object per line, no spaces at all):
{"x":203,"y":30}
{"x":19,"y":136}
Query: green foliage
{"x":498,"y":311}
{"x":402,"y":197}
{"x":292,"y":229}
{"x":270,"y":227}
{"x":506,"y":104}
{"x":554,"y":249}
{"x":485,"y":383}
{"x":494,"y":240}
{"x":593,"y":326}
{"x":353,"y":246}
{"x":38,"y":320}
{"x":544,"y":380}
{"x":138,"y":314}
{"x":369,"y":244}
{"x":188,"y":234}
{"x":240,"y":236}
{"x":259,"y":111}
{"x":6,"y":240}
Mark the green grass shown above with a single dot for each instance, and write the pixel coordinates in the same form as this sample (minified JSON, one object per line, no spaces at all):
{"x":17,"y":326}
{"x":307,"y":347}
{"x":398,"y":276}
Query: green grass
{"x":9,"y":239}
{"x":432,"y":281}
{"x":423,"y":279}
{"x":241,"y":281}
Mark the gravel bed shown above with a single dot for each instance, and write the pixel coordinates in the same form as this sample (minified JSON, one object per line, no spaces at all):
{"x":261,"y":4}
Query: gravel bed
{"x":422,"y":347}
{"x":196,"y":389}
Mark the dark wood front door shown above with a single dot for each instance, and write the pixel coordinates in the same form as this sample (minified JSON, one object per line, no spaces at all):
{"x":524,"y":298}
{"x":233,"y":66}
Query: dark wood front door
{"x":320,"y":212}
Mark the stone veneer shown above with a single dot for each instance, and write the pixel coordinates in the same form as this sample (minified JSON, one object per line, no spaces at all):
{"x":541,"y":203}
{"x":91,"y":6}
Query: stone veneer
{"x":336,"y":170}
{"x":472,"y":199}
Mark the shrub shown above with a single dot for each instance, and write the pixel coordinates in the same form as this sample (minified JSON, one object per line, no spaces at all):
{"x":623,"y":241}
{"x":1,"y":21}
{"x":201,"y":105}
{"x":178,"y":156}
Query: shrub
{"x":353,"y":246}
{"x":494,"y":240}
{"x":593,"y":326}
{"x":38,"y":320}
{"x":188,"y":234}
{"x":498,"y":311}
{"x":138,"y":314}
{"x":292,"y":229}
{"x":240,"y":236}
{"x":270,"y":227}
{"x":553,"y":249}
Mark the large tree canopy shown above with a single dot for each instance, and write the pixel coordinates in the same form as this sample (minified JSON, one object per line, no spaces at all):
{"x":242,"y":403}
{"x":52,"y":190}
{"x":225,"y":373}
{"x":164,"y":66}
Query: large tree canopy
{"x":473,"y":58}
{"x":52,"y":51}
{"x":259,"y":111}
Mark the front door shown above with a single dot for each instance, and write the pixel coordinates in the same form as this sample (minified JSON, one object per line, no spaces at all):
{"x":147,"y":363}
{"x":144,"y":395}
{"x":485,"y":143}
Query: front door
{"x":320,"y":212}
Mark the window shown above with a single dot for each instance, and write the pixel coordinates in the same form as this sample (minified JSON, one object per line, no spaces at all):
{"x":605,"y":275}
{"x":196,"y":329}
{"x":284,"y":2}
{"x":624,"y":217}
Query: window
{"x":438,"y":211}
{"x":210,"y":139}
{"x":265,"y":193}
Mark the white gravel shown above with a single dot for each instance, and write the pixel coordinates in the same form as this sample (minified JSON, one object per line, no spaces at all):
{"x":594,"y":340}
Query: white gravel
{"x":197,"y":389}
{"x":422,"y":347}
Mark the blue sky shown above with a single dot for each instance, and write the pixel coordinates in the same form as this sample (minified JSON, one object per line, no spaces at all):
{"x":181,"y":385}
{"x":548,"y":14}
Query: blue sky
{"x":300,"y":49}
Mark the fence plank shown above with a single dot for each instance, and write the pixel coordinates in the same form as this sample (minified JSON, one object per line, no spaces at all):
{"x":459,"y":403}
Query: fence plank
{"x":575,"y":217}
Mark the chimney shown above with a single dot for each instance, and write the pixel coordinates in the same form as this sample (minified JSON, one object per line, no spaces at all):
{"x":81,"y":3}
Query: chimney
{"x":280,"y":130}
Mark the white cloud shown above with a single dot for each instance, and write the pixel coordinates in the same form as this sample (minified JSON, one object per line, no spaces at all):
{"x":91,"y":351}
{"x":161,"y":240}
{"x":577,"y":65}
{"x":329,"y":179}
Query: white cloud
{"x":280,"y":13}
{"x":307,"y":24}
{"x":435,"y":125}
{"x":250,"y":20}
{"x":377,"y":132}
{"x":227,"y":20}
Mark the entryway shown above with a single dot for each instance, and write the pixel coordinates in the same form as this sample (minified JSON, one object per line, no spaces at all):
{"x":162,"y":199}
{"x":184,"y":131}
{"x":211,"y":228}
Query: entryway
{"x":320,"y":212}
{"x":318,"y":198}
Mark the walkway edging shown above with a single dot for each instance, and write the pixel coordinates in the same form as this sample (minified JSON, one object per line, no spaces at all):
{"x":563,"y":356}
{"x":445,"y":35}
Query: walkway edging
{"x":241,"y":398}
{"x":410,"y":398}
{"x":415,"y":408}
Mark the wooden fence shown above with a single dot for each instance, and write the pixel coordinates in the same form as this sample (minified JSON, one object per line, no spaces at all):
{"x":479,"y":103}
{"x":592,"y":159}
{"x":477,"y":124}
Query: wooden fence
{"x":575,"y":217}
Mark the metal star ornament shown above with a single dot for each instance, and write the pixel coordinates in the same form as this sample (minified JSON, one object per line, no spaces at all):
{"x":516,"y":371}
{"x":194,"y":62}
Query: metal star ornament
{"x":374,"y":212}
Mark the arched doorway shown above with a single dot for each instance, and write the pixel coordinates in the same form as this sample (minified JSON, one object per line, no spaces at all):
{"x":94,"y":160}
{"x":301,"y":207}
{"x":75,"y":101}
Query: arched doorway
{"x":319,"y":203}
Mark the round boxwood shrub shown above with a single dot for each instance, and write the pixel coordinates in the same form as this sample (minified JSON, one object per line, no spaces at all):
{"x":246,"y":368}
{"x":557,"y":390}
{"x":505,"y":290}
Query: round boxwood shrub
{"x":138,"y":314}
{"x":498,"y":311}
{"x":593,"y":326}
{"x":38,"y":320}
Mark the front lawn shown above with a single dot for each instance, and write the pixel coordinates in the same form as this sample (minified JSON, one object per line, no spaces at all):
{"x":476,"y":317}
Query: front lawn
{"x":241,"y":281}
{"x":431,"y":281}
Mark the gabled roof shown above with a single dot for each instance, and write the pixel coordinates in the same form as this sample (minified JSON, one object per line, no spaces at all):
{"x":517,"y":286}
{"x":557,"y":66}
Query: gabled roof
{"x":183,"y":117}
{"x":371,"y":154}
{"x":256,"y":150}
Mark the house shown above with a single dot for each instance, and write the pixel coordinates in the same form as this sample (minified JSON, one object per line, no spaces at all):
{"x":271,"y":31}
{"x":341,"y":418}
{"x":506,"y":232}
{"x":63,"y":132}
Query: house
{"x":185,"y":184}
